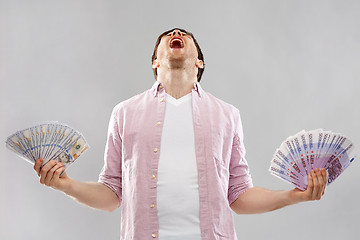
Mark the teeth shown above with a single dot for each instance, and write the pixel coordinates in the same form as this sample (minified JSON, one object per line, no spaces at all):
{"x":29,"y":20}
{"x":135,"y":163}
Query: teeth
{"x":181,"y":42}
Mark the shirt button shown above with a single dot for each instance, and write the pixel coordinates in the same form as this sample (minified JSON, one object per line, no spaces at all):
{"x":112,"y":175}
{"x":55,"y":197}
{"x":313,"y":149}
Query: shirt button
{"x":152,"y":205}
{"x":153,"y":235}
{"x":153,"y":176}
{"x":155,"y":149}
{"x":158,"y":123}
{"x":161,"y":99}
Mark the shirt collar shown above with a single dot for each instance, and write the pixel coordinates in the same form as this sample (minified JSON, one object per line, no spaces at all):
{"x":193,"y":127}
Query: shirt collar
{"x":198,"y":89}
{"x":157,"y":86}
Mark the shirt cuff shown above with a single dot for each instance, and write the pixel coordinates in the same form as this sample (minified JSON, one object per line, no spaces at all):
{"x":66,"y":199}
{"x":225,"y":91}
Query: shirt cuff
{"x":235,"y":193}
{"x":114,"y":188}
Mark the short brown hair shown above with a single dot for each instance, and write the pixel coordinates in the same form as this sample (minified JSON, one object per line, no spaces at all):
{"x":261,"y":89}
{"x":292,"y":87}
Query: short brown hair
{"x":200,"y":54}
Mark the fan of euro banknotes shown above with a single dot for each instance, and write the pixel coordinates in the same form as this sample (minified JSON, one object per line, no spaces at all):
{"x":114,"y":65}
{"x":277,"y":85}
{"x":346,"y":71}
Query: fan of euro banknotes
{"x":50,"y":140}
{"x":304,"y":151}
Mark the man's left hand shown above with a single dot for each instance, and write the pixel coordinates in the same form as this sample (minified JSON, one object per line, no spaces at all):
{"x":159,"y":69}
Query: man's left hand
{"x":317,"y":180}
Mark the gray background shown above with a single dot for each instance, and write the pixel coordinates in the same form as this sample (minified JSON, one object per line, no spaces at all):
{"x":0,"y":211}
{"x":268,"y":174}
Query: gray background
{"x":287,"y":65}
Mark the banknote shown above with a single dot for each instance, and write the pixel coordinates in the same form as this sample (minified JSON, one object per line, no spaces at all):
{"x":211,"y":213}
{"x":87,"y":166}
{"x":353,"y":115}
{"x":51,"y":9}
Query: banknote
{"x":307,"y":150}
{"x":49,"y":140}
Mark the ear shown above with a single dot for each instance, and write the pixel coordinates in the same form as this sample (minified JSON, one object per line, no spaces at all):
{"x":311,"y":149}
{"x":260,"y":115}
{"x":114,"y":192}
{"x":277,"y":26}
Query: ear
{"x":155,"y":64}
{"x":199,"y":63}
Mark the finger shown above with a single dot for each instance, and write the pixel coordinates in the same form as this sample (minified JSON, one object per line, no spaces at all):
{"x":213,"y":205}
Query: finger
{"x":44,"y":170}
{"x":310,"y":186}
{"x":321,"y":184}
{"x":51,"y":172}
{"x":37,"y":165}
{"x":316,"y":185}
{"x":58,"y":172}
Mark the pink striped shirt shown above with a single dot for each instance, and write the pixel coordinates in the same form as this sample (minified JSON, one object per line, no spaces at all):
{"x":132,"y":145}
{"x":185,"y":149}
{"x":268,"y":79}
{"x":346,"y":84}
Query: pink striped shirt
{"x":132,"y":155}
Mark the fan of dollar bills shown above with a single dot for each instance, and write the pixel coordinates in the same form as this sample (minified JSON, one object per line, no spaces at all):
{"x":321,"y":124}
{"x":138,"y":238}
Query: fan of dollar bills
{"x":301,"y":153}
{"x":50,"y":140}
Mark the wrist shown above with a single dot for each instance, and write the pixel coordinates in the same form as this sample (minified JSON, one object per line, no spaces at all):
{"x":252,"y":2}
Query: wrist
{"x":66,"y":186}
{"x":296,"y":196}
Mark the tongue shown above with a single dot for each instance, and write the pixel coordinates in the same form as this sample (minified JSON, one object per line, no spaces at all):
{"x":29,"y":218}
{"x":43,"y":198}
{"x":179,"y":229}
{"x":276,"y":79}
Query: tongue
{"x":176,"y":44}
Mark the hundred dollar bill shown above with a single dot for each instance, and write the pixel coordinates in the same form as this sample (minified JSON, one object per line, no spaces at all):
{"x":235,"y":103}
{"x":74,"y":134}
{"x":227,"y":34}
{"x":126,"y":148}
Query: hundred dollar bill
{"x":49,"y":140}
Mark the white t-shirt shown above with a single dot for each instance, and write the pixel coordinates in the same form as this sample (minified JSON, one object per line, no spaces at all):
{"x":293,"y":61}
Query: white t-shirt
{"x":178,"y":191}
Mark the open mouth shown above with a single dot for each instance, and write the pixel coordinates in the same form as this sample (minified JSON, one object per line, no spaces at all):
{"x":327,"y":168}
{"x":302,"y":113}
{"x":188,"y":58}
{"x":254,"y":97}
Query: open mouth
{"x":176,"y":43}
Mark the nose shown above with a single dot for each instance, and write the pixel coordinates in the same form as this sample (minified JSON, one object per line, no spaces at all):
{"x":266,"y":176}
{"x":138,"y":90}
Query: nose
{"x":176,"y":32}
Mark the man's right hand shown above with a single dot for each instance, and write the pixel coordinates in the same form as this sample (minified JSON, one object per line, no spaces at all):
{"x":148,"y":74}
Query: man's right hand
{"x":50,"y":174}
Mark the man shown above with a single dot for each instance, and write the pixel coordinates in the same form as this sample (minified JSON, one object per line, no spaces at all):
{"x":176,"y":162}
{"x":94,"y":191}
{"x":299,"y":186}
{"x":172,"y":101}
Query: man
{"x":177,"y":171}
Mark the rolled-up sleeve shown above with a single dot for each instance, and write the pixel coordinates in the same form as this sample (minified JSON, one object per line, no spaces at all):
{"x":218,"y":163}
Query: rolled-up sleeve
{"x":240,"y":178}
{"x":111,"y":174}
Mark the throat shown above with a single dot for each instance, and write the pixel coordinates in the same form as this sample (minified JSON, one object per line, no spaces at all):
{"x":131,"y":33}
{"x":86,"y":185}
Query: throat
{"x":176,"y":44}
{"x":178,"y":89}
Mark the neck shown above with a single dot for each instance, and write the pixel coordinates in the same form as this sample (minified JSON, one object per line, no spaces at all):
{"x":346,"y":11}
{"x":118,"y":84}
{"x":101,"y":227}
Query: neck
{"x":177,"y":82}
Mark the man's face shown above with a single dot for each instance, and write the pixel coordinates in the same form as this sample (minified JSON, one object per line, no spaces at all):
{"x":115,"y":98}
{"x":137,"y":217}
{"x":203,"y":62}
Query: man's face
{"x":63,"y":157}
{"x":175,"y":49}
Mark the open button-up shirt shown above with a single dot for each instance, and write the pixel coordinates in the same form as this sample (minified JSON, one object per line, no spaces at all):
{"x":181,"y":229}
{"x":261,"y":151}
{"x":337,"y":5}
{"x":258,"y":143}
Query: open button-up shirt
{"x":132,"y":155}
